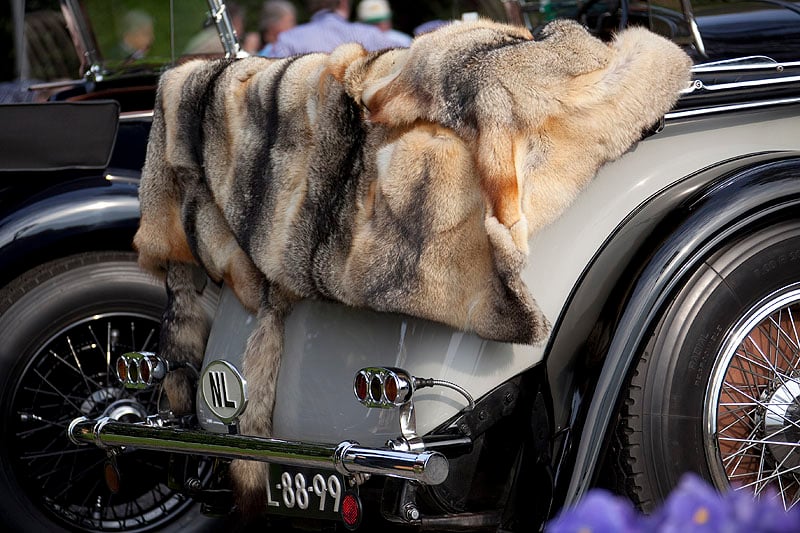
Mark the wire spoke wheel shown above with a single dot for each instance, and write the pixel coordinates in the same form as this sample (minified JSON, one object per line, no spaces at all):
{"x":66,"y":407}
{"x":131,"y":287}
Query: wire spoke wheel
{"x":63,"y":326}
{"x":70,"y":377}
{"x":716,"y":388}
{"x":752,"y":407}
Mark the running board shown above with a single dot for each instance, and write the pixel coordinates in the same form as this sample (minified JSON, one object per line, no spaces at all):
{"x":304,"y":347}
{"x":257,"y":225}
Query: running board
{"x":348,"y":457}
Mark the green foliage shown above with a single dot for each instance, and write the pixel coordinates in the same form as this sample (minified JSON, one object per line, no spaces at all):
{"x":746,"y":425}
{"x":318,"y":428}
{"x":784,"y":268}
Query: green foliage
{"x":107,"y":20}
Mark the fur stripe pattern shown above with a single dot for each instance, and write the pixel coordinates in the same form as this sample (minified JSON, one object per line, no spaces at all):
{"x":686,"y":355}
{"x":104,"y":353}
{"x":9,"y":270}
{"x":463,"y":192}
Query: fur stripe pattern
{"x":406,"y":180}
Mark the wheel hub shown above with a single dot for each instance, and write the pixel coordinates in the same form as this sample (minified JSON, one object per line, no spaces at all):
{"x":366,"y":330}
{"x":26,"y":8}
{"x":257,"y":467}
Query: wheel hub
{"x":782,"y":424}
{"x":96,"y":400}
{"x":126,"y":411}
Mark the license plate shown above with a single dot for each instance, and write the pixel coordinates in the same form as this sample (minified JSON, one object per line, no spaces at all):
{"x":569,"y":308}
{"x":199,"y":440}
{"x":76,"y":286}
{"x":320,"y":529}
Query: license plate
{"x":304,"y":492}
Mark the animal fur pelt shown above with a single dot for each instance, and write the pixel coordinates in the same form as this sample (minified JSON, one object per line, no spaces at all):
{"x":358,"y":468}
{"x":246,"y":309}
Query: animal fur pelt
{"x":406,"y":180}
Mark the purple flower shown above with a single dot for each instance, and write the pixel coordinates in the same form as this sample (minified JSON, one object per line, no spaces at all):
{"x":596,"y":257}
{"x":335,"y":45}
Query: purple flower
{"x":598,"y":512}
{"x":765,"y":515}
{"x":694,"y":506}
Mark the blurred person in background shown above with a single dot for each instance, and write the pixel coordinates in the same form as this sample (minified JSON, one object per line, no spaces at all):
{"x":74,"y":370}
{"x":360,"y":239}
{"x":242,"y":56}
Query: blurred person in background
{"x":379,"y":14}
{"x":277,"y":16}
{"x":327,"y":29}
{"x":137,"y":36}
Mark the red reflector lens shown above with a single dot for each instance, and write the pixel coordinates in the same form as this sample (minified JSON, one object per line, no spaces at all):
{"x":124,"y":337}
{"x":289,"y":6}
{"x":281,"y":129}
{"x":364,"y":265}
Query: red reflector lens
{"x":122,"y":369}
{"x":112,"y":477}
{"x":144,"y":371}
{"x":351,"y":511}
{"x":360,"y":387}
{"x":390,"y":388}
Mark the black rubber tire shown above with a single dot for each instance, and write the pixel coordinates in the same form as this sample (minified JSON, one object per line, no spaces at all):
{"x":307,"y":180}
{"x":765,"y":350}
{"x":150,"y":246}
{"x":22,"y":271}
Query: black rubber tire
{"x":34,"y":309}
{"x":661,"y":433}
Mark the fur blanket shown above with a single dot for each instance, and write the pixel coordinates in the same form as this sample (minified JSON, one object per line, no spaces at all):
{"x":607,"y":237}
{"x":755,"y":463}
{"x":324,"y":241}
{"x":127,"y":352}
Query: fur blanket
{"x":406,"y":180}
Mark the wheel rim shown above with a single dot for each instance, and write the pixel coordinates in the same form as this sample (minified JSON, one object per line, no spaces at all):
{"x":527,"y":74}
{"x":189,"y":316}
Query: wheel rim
{"x":71,"y":376}
{"x":752,"y":405}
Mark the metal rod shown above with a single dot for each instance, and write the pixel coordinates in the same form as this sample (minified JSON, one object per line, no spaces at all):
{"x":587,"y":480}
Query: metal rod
{"x":347,"y":458}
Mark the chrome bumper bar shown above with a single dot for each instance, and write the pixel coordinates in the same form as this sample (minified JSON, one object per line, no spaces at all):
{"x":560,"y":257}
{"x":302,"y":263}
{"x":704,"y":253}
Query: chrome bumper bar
{"x":347,"y":457}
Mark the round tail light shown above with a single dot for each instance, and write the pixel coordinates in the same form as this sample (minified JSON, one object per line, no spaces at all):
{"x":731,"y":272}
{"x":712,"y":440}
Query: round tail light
{"x":360,"y":386}
{"x":145,"y":370}
{"x":351,"y":511}
{"x":122,"y":369}
{"x":390,"y":388}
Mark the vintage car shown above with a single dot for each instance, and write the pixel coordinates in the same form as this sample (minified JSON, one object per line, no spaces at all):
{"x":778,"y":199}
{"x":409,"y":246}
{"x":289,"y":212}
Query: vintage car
{"x":672,"y":284}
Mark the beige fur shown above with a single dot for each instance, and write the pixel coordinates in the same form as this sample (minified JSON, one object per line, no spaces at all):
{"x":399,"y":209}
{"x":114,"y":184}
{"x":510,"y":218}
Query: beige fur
{"x":267,"y":174}
{"x":534,"y":106}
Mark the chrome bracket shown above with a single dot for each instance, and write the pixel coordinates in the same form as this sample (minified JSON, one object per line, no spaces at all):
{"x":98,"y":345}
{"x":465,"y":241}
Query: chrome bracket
{"x":390,"y":387}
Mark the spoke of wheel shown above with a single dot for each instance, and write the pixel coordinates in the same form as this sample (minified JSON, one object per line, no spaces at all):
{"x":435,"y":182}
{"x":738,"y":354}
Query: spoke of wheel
{"x":78,"y":364}
{"x":740,"y":456}
{"x":763,"y":405}
{"x":56,"y":468}
{"x":150,"y":337}
{"x":75,"y":477}
{"x":745,"y":355}
{"x":750,"y":438}
{"x":774,"y":368}
{"x":36,"y":371}
{"x":78,"y":370}
{"x":47,"y":424}
{"x":758,"y":380}
{"x":750,"y":373}
{"x":758,"y":442}
{"x":782,"y":333}
{"x":775,"y":341}
{"x":89,"y":494}
{"x":106,"y":356}
{"x":34,"y":456}
{"x":738,"y":419}
{"x":796,"y":358}
{"x":774,"y":473}
{"x":763,"y":441}
{"x":108,"y":347}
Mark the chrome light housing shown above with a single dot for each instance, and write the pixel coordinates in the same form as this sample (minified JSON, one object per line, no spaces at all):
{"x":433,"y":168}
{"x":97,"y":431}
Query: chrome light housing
{"x":140,"y":370}
{"x":383,"y":387}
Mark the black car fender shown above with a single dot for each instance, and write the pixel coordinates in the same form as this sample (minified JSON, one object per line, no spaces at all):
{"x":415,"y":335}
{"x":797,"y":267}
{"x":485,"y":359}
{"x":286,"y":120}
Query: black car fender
{"x":91,"y":213}
{"x":616,"y":303}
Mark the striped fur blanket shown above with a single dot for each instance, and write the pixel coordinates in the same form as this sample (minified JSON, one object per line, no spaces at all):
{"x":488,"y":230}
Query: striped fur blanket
{"x":406,"y":180}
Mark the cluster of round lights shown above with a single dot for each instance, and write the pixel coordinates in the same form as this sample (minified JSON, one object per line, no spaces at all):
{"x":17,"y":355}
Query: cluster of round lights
{"x":140,"y":370}
{"x":382,"y":387}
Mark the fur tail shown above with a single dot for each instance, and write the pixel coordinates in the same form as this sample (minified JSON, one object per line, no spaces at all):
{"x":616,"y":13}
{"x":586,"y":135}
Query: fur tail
{"x":262,"y":359}
{"x":184,"y":331}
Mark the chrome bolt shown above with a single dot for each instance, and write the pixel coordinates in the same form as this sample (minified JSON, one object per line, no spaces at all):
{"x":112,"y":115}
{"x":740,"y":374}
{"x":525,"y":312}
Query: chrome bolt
{"x":193,"y":484}
{"x":411,"y":513}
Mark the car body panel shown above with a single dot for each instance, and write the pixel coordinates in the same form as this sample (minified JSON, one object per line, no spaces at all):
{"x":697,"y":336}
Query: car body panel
{"x":326,"y":343}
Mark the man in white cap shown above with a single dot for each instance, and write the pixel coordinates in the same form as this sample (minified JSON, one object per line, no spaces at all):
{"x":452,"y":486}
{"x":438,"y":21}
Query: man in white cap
{"x":378,"y":13}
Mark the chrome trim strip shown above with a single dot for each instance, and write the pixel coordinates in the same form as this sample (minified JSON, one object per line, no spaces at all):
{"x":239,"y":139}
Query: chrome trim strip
{"x":129,"y":116}
{"x":347,"y":458}
{"x":738,"y":64}
{"x":730,"y":107}
{"x":698,"y":85}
